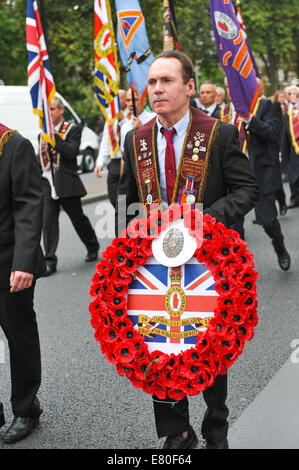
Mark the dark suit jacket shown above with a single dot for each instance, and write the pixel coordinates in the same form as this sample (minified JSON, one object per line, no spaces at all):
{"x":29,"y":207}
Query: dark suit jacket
{"x":231,"y":189}
{"x":263,"y":132}
{"x":215,"y":114}
{"x":292,"y":159}
{"x":21,"y":210}
{"x":66,"y":180}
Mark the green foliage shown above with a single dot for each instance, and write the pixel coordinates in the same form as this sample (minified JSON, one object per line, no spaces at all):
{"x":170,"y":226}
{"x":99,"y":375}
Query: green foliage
{"x":271,"y":26}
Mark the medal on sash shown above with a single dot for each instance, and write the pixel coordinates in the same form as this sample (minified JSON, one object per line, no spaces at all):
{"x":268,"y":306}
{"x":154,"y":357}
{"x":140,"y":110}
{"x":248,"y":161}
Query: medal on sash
{"x":191,"y":174}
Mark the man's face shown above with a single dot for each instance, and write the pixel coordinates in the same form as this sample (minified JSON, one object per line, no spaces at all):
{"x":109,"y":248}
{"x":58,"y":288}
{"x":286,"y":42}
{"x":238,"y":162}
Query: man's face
{"x":168,"y":94}
{"x":122,"y":100}
{"x":207,"y":94}
{"x":129,"y":101}
{"x":219,"y":99}
{"x":56,"y":113}
{"x":292,"y":95}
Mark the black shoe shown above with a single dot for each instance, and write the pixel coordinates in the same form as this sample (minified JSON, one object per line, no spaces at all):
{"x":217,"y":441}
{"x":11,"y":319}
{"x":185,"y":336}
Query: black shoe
{"x":283,"y":209}
{"x":50,"y":269}
{"x":20,"y":428}
{"x":293,"y":204}
{"x":2,"y":418}
{"x":91,"y":256}
{"x":220,"y":445}
{"x":185,"y":440}
{"x":284,"y":261}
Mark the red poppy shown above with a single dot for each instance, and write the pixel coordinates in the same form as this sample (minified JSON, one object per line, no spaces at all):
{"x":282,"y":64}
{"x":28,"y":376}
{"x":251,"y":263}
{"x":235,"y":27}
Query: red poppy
{"x":235,"y":317}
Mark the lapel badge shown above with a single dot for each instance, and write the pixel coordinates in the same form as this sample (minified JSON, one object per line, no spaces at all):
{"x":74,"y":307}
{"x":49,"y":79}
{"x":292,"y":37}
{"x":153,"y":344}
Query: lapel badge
{"x":143,"y":145}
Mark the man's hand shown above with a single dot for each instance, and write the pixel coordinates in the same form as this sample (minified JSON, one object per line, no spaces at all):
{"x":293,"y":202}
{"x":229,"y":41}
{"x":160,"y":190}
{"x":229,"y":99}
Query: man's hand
{"x":136,"y":123}
{"x":98,"y":171}
{"x":20,"y":280}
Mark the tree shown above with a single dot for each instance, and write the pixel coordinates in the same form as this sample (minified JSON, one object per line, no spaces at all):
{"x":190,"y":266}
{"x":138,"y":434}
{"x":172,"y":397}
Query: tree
{"x":13,"y":54}
{"x":272,"y":30}
{"x":273,"y":34}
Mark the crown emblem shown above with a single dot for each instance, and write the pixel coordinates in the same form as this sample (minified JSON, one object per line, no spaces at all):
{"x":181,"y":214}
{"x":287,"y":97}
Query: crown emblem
{"x":175,"y":275}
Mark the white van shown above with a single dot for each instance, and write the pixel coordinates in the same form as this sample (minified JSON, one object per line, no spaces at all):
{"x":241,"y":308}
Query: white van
{"x":16,"y":112}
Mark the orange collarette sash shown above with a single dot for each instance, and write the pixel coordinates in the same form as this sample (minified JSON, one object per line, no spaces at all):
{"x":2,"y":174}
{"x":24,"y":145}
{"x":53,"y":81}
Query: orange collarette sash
{"x":45,"y":150}
{"x":192,"y":171}
{"x":294,"y":128}
{"x":226,"y":117}
{"x":5,"y":134}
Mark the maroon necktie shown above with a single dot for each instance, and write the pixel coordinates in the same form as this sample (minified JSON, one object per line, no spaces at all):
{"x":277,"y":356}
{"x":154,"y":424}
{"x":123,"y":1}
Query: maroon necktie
{"x":170,"y":170}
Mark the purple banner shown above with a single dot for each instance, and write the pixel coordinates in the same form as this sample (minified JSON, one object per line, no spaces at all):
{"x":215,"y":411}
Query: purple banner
{"x":235,"y":57}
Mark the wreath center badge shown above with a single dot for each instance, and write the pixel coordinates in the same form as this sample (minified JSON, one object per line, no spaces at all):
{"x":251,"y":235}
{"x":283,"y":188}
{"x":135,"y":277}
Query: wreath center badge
{"x":174,"y":302}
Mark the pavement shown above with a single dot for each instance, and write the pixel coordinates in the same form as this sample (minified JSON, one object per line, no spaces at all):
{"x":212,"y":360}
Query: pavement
{"x":271,"y":421}
{"x":96,"y":187}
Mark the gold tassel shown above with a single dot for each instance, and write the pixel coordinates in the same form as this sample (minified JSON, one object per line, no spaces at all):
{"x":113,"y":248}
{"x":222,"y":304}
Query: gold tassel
{"x":4,"y":139}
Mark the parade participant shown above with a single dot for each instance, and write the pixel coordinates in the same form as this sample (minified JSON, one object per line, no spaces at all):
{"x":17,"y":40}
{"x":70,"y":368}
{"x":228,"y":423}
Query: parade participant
{"x":63,"y":187}
{"x":111,"y":136}
{"x":207,"y":97}
{"x":228,"y":115}
{"x":220,"y":97}
{"x":278,"y":112}
{"x":142,"y":115}
{"x":21,"y":262}
{"x":229,"y":191}
{"x":290,"y":147}
{"x":262,"y":129}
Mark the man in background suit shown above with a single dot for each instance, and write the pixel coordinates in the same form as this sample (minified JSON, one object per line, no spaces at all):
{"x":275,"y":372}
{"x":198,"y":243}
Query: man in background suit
{"x":206,"y":101}
{"x":63,"y":187}
{"x":21,"y":262}
{"x":290,"y":146}
{"x":262,"y":129}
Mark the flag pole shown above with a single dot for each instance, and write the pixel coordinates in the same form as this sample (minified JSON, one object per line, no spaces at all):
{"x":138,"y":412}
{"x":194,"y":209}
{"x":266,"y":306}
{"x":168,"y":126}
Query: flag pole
{"x":134,"y":104}
{"x":43,"y":18}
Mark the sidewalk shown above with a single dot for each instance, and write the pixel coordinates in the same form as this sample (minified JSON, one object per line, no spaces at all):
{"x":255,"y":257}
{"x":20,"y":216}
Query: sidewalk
{"x":271,"y":421}
{"x":96,"y":187}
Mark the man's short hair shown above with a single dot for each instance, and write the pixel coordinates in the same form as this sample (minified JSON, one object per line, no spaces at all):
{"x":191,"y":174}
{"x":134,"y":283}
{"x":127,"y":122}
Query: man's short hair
{"x":208,"y":82}
{"x":59,"y":102}
{"x":186,"y":62}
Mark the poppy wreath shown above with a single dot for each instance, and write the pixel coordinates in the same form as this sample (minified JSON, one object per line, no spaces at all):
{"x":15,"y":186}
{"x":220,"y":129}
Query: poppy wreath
{"x":226,"y":255}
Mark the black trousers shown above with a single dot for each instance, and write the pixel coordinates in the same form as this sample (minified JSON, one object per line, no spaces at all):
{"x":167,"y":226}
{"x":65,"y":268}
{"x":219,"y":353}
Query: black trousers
{"x":113,"y":179}
{"x":175,"y":419}
{"x":18,"y":321}
{"x":265,"y":210}
{"x":73,"y":207}
{"x":294,"y":188}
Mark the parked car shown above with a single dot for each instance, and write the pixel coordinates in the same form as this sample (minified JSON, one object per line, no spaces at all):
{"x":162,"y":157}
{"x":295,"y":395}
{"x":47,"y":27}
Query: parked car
{"x":16,"y":112}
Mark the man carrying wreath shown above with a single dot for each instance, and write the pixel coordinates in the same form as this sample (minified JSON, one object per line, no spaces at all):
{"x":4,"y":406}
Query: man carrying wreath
{"x":184,"y":156}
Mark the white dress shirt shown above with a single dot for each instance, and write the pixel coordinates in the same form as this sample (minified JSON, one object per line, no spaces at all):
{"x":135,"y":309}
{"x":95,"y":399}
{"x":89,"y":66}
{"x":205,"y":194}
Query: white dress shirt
{"x":178,"y":141}
{"x":210,"y":109}
{"x":144,"y":117}
{"x":104,"y":150}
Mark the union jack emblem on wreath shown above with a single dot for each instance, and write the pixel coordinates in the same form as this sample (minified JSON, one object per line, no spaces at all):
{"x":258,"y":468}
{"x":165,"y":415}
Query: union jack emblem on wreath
{"x":169,"y":306}
{"x":170,"y":318}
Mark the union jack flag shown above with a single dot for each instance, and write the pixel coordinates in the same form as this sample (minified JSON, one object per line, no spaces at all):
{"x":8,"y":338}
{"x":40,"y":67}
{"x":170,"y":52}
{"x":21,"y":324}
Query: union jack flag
{"x":169,"y":306}
{"x":40,"y":80}
{"x":107,"y":75}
